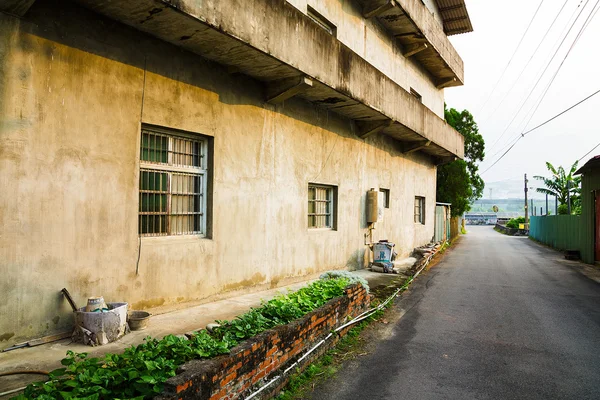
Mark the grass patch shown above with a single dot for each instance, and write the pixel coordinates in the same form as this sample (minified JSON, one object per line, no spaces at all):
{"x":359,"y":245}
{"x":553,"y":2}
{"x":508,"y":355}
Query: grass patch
{"x":328,"y":364}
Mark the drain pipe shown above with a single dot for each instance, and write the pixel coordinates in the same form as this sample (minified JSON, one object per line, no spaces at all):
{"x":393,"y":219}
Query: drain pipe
{"x":356,"y":319}
{"x":20,"y":372}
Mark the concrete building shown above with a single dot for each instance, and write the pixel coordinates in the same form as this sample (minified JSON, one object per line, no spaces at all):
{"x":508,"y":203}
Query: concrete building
{"x":170,"y":152}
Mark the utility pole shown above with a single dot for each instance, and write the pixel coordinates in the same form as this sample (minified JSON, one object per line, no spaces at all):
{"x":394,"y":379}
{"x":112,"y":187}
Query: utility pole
{"x":526,"y":205}
{"x":546,"y":203}
{"x":555,"y":205}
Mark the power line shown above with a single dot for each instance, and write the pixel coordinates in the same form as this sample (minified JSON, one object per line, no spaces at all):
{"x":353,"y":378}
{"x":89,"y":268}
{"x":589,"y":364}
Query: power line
{"x":543,"y":72}
{"x":593,"y":148}
{"x":530,"y":58}
{"x":539,"y":126}
{"x":561,"y":113}
{"x":511,"y":57}
{"x":583,"y":27}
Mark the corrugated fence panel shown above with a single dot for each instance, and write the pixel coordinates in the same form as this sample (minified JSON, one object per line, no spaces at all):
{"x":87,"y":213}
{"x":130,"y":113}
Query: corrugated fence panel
{"x":562,"y":232}
{"x":440,"y":227}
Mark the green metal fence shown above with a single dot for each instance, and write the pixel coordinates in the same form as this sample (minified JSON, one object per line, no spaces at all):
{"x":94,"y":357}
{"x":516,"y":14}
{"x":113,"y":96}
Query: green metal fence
{"x":562,"y":232}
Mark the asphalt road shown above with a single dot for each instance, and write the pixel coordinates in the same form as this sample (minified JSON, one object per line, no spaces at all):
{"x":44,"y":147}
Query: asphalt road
{"x":499,"y":317}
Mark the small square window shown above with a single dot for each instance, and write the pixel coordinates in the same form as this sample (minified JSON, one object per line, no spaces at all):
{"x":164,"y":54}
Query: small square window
{"x":416,"y":94}
{"x":321,"y":206}
{"x":419,"y":210}
{"x":321,"y":21}
{"x":386,"y":197}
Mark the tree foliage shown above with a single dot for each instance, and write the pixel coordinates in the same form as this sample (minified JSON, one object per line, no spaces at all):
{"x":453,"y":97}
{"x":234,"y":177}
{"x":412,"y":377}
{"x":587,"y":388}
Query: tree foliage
{"x":459,"y":182}
{"x":560,"y":184}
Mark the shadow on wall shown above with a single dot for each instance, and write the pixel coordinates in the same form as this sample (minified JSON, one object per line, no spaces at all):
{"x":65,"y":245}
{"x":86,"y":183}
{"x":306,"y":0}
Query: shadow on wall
{"x":74,"y":26}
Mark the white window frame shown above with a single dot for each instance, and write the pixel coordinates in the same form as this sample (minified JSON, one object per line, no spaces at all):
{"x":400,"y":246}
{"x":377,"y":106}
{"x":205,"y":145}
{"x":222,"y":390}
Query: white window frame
{"x":171,"y":168}
{"x":331,"y":198}
{"x":419,"y":210}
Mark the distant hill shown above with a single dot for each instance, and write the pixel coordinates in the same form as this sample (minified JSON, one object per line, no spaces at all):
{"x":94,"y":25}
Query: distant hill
{"x":512,"y":205}
{"x":511,"y":189}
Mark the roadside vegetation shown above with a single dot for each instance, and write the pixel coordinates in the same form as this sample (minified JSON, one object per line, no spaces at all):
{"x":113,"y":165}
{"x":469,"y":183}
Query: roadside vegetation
{"x":350,"y":346}
{"x":564,"y":186}
{"x":140,"y":371}
{"x":514,"y":222}
{"x":458,"y":182}
{"x":329,"y":364}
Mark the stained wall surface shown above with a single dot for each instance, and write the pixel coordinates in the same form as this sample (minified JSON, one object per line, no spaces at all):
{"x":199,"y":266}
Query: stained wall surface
{"x":370,"y":40}
{"x":75,"y":90}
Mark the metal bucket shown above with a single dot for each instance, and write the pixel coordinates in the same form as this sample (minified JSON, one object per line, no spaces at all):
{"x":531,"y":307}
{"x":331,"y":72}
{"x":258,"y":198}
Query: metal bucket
{"x":138,"y":320}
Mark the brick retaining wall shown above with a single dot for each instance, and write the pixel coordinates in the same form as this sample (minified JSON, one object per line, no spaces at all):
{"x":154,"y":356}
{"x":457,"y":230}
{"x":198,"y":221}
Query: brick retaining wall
{"x":260,"y":358}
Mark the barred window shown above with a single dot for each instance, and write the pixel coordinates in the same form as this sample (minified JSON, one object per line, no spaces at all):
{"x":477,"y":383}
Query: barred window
{"x":419,"y":210}
{"x":172,"y":184}
{"x":321,"y":206}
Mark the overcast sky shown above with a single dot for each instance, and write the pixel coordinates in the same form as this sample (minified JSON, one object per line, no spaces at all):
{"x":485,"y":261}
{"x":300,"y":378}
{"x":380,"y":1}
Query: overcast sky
{"x":498,"y":27}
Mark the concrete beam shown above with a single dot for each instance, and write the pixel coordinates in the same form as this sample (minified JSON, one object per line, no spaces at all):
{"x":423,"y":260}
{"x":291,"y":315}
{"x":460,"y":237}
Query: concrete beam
{"x":284,"y":89}
{"x":444,"y":160}
{"x":369,"y":128}
{"x":416,"y":146}
{"x":449,"y":8}
{"x":232,"y":69}
{"x":16,"y":7}
{"x":375,"y":8}
{"x":445,"y":83}
{"x":310,"y":55}
{"x":413,"y":49}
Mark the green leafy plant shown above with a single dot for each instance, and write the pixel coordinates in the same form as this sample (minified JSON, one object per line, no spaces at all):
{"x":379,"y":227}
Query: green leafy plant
{"x":563,"y":185}
{"x":352,"y":278}
{"x":458,"y":182}
{"x":141,"y":371}
{"x":514,"y":222}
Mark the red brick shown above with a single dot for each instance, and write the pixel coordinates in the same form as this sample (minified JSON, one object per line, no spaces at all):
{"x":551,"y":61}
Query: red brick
{"x":237,"y":366}
{"x":259,"y":376}
{"x":229,"y":378}
{"x":272,"y":351}
{"x":181,"y":388}
{"x":219,"y":395}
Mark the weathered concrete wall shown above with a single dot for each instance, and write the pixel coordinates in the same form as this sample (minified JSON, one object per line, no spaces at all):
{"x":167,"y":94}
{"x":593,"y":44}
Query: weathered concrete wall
{"x":74,"y":89}
{"x":433,"y":8}
{"x":370,"y":40}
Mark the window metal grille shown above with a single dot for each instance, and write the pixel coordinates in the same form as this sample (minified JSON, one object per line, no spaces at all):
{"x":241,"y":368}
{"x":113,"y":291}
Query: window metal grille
{"x":160,"y":148}
{"x":419,"y":210}
{"x":172,"y":185}
{"x":320,"y":206}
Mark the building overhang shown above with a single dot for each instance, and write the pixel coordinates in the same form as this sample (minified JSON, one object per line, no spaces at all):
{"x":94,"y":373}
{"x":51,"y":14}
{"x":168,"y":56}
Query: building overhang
{"x":421,"y":36}
{"x":301,"y":59}
{"x":591,"y":165}
{"x":455,"y":16}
